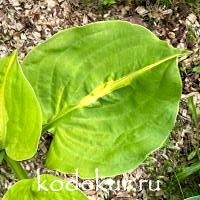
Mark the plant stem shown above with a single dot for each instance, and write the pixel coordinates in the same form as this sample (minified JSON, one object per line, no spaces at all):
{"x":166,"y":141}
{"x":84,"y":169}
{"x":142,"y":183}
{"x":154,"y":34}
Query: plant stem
{"x":16,"y":167}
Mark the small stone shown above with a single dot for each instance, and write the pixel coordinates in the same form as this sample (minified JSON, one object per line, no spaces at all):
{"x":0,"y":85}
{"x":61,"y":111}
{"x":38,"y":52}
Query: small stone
{"x":191,"y":18}
{"x":167,"y":12}
{"x":23,"y":36}
{"x":171,"y":35}
{"x":85,"y":19}
{"x":181,"y":46}
{"x":28,"y":6}
{"x":36,"y":34}
{"x":1,"y":14}
{"x":51,"y":3}
{"x":3,"y":48}
{"x":127,"y":8}
{"x":14,"y":2}
{"x":124,"y":11}
{"x":19,"y":27}
{"x":27,"y":167}
{"x":141,"y":10}
{"x":106,"y":15}
{"x":15,"y":38}
{"x":39,"y":28}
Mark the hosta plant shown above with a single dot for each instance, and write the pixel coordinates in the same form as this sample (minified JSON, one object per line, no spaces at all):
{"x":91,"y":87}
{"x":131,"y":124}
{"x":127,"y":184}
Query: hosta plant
{"x":109,"y":94}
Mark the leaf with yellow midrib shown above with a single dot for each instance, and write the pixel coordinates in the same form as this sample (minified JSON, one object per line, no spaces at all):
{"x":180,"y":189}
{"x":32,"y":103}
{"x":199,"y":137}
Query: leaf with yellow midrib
{"x":20,"y":114}
{"x":99,"y":122}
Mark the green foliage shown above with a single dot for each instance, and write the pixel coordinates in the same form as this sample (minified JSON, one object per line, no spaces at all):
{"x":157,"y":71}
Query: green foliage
{"x":159,"y":2}
{"x":16,"y":167}
{"x":191,"y":35}
{"x":28,"y":189}
{"x":20,"y":114}
{"x":196,"y":69}
{"x":193,"y":198}
{"x":193,"y":110}
{"x":192,"y":1}
{"x":106,"y":92}
{"x":187,"y":171}
{"x":2,"y":154}
{"x":108,"y":2}
{"x":186,"y":187}
{"x":165,"y":2}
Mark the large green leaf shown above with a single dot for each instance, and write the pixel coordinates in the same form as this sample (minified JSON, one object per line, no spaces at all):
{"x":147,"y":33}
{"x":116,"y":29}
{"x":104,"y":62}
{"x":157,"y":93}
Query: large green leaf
{"x":109,"y":93}
{"x":20,"y":114}
{"x":30,"y":189}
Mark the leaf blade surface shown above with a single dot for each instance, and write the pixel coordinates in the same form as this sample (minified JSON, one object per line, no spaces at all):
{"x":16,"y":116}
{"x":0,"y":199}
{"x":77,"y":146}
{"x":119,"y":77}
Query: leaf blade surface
{"x":20,"y":114}
{"x":110,"y":97}
{"x":27,"y":189}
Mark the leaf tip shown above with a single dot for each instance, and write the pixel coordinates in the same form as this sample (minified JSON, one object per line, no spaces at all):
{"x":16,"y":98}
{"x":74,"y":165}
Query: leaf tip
{"x":185,"y":52}
{"x":14,"y":53}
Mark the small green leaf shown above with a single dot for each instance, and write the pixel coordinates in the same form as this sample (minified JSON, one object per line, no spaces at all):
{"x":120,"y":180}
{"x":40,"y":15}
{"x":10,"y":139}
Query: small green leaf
{"x":29,"y":189}
{"x":192,"y":155}
{"x":187,"y":171}
{"x":193,"y":198}
{"x":108,"y":2}
{"x":196,"y":69}
{"x":2,"y":153}
{"x":20,"y":114}
{"x":109,"y":93}
{"x":193,"y":110}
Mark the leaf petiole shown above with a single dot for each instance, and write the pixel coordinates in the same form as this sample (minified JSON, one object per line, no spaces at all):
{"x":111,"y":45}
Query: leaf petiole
{"x":16,"y":167}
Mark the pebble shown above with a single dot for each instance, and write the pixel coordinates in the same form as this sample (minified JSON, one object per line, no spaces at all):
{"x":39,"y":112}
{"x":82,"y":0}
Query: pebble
{"x":19,"y":26}
{"x":36,"y":34}
{"x":191,"y":19}
{"x":23,"y":36}
{"x":51,"y":3}
{"x":141,"y":10}
{"x":14,"y":3}
{"x":171,"y":35}
{"x":167,"y":12}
